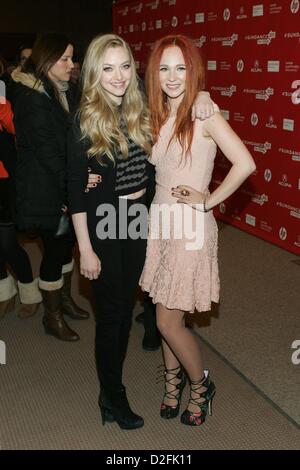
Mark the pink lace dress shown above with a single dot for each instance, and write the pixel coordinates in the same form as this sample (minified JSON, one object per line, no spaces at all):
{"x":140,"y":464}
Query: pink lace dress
{"x":179,"y":273}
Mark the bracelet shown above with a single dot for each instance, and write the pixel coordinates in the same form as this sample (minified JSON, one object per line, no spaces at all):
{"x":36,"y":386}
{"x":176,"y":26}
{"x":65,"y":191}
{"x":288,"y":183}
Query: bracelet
{"x":204,"y":205}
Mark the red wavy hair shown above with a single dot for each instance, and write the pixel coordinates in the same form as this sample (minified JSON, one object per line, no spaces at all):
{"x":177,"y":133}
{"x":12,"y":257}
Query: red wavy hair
{"x":158,"y":105}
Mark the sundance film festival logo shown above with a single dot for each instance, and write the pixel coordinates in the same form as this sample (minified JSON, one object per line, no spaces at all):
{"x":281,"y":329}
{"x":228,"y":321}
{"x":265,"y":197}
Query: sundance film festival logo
{"x":260,"y":94}
{"x":262,"y":39}
{"x":226,"y":41}
{"x":260,"y":199}
{"x":295,"y":4}
{"x":200,"y":42}
{"x":225,"y":91}
{"x":2,"y":353}
{"x":259,"y":147}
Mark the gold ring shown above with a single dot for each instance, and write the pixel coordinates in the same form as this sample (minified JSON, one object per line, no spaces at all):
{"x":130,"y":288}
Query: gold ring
{"x":185,"y":192}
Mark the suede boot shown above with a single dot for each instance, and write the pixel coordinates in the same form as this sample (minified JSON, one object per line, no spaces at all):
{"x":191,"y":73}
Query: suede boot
{"x":53,"y":319}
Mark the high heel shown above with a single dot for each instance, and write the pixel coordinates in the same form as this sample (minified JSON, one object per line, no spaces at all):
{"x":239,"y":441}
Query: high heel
{"x":168,"y":411}
{"x":197,"y":418}
{"x":118,"y":409}
{"x":106,"y":415}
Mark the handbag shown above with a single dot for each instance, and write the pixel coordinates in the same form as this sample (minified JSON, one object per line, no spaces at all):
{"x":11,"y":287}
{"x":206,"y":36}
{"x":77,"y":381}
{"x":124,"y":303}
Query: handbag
{"x":64,"y":226}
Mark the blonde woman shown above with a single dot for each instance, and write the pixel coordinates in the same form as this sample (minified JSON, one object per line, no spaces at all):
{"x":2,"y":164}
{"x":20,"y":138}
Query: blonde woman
{"x":112,"y":137}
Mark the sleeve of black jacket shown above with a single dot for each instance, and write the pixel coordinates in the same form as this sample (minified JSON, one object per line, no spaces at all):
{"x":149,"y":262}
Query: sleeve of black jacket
{"x":77,"y":178}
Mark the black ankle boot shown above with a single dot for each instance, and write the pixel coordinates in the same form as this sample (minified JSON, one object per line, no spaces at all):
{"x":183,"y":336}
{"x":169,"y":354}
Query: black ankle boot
{"x":116,"y":408}
{"x":105,"y":409}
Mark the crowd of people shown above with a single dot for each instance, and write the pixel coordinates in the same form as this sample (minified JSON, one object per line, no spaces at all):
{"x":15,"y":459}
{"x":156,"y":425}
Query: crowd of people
{"x":99,"y":153}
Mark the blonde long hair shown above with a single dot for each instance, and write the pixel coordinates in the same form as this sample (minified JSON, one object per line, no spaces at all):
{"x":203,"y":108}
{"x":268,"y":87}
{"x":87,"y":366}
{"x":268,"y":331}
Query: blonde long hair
{"x":99,"y":116}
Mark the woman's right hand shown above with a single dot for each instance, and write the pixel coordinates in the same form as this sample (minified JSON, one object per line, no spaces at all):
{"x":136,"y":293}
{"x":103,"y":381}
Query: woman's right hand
{"x":90,"y":265}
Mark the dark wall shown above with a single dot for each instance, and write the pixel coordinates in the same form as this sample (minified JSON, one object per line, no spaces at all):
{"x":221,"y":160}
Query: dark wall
{"x":20,"y":21}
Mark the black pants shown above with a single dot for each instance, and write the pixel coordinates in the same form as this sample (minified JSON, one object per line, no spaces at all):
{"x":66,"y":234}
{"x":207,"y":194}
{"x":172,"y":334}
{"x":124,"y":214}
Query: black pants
{"x":115,"y":289}
{"x":13,"y":254}
{"x":56,"y":253}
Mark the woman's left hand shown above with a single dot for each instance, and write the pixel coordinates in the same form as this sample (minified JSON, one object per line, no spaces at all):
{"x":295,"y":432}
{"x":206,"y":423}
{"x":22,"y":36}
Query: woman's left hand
{"x":188,"y":195}
{"x":93,"y":180}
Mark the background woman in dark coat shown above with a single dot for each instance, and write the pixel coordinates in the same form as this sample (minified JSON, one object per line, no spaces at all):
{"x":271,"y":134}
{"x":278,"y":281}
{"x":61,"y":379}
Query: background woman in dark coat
{"x":42,"y":107}
{"x":11,"y":252}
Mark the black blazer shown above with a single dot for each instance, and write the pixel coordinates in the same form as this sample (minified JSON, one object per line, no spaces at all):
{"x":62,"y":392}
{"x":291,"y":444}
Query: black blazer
{"x":78,"y":164}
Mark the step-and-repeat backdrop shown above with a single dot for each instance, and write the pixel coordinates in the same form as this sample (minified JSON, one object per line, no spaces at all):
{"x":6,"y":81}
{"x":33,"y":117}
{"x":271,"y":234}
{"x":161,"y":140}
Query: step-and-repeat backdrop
{"x":252,"y":55}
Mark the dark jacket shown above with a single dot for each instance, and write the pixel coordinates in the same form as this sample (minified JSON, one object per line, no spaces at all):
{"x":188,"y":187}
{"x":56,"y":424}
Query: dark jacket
{"x":104,"y":193}
{"x":78,"y":164}
{"x":41,"y":126}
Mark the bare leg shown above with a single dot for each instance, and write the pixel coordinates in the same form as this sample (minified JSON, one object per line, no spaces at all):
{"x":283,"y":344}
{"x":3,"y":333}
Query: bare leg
{"x":179,"y":345}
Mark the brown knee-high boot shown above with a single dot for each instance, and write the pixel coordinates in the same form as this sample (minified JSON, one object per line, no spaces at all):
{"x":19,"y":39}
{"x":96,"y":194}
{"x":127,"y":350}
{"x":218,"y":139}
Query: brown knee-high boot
{"x":69,"y":307}
{"x":53,"y":319}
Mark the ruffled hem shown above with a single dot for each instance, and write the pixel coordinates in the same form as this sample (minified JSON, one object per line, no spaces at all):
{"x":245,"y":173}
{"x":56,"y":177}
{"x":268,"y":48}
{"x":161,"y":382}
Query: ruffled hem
{"x":178,"y":304}
{"x":181,"y":280}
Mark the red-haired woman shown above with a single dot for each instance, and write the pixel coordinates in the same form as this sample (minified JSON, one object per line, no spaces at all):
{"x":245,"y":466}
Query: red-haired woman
{"x":181,"y":272}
